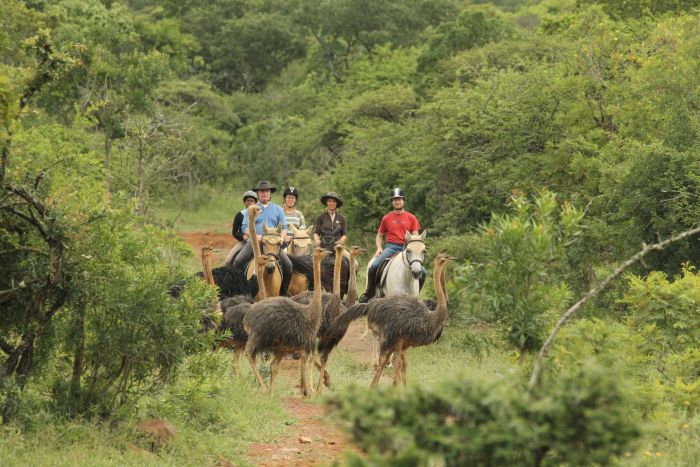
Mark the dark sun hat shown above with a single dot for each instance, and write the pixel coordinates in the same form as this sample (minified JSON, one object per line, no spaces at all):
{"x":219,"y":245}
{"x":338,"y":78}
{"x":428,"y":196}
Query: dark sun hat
{"x":264,"y":185}
{"x":332,"y":195}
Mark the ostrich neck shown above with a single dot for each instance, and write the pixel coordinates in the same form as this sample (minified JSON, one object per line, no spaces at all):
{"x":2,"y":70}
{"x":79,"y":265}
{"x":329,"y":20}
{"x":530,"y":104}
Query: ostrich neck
{"x":262,"y":290}
{"x":314,"y":310}
{"x":352,"y":283}
{"x":441,"y":309}
{"x":337,"y":267}
{"x":206,"y":269}
{"x":253,"y":236}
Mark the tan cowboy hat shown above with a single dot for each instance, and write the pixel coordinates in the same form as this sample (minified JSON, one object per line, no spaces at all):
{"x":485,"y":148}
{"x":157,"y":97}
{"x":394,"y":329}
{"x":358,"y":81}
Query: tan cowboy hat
{"x":332,"y":195}
{"x":264,"y":185}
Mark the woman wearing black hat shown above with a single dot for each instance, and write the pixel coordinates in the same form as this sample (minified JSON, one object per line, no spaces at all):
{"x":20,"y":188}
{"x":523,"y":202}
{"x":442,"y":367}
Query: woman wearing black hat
{"x":331,"y":226}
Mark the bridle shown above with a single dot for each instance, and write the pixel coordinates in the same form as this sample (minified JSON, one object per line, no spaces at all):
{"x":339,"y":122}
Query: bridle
{"x":404,"y":256}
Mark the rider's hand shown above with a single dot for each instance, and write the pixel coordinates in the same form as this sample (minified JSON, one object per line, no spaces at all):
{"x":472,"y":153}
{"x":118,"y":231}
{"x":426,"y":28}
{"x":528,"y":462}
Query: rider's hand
{"x":378,"y":252}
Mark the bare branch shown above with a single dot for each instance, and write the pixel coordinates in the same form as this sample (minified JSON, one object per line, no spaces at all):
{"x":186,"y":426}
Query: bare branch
{"x":537,"y":367}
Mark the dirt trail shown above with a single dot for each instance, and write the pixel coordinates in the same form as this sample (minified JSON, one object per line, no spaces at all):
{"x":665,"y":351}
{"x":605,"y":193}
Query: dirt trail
{"x":314,"y":439}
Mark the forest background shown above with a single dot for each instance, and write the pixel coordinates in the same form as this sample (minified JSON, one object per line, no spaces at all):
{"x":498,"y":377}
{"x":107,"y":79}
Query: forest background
{"x":541,"y":142}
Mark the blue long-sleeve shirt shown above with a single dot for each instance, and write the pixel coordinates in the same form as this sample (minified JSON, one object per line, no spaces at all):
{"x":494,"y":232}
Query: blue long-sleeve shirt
{"x":271,"y":215}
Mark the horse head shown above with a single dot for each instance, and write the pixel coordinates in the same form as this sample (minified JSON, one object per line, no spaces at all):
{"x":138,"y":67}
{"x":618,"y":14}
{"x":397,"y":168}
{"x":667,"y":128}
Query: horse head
{"x":271,"y":244}
{"x":414,"y":252}
{"x":301,"y":243}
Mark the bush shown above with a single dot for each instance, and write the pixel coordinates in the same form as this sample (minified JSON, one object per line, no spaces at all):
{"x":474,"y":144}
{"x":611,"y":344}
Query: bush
{"x":582,"y":417}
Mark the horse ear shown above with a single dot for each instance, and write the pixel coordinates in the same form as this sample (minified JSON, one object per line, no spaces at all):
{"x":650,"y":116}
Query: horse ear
{"x":279,"y":229}
{"x":294,"y":229}
{"x":422,"y":236}
{"x":407,"y":237}
{"x":310,"y":230}
{"x":266,"y":229}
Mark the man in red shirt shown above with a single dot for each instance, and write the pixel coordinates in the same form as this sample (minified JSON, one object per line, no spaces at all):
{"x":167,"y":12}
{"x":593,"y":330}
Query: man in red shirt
{"x":394,"y":225}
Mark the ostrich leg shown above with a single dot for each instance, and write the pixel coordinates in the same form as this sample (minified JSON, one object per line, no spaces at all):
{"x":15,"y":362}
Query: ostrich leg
{"x":324,"y":377}
{"x":398,"y":367}
{"x":237,"y":360}
{"x":302,"y":366}
{"x":383,"y":358}
{"x":404,"y":366}
{"x":254,"y":365}
{"x":274,"y":367}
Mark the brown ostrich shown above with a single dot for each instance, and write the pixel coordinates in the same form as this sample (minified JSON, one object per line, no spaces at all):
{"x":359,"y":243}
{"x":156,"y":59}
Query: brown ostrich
{"x":329,"y":335}
{"x":401,"y":322}
{"x":282,"y":326}
{"x":234,"y":309}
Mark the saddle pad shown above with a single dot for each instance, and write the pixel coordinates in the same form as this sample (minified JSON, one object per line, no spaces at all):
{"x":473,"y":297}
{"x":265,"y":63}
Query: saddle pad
{"x":382,"y":271}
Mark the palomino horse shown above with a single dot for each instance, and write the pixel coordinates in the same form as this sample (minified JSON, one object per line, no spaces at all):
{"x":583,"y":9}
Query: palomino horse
{"x":272,"y":275}
{"x":303,"y":241}
{"x":401,"y":276}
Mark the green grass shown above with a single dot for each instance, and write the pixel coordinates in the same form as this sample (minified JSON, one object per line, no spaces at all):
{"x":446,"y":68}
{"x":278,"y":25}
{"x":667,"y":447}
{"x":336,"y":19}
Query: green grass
{"x":209,"y":209}
{"x":216,"y":414}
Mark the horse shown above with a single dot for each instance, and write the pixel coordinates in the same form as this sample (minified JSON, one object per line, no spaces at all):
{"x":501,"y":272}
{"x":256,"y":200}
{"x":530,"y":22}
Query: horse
{"x":302,"y":242}
{"x":401,"y":276}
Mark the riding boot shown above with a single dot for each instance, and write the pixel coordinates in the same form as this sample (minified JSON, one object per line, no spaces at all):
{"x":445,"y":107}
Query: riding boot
{"x":371,"y":288}
{"x":286,"y":266}
{"x":284,"y":289}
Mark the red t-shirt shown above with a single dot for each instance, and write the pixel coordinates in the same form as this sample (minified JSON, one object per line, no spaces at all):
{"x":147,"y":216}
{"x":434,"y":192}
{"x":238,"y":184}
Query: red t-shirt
{"x":395,"y":226}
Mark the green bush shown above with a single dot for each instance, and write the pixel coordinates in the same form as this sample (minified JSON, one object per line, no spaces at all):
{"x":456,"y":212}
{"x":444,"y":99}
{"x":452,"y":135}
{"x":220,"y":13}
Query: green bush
{"x":583,"y":416}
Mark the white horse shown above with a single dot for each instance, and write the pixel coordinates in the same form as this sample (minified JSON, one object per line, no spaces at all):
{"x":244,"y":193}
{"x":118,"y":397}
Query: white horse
{"x":400,"y":277}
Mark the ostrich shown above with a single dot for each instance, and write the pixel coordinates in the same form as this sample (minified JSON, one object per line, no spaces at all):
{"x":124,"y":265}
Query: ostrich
{"x":282,"y":326}
{"x":271,"y":274}
{"x":330,"y":335}
{"x":234,"y":310}
{"x":351,"y":297}
{"x":402,"y":321}
{"x":214,"y":314}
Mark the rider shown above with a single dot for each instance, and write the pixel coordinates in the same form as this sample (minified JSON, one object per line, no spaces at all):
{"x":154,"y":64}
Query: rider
{"x":394,"y":225}
{"x":272,"y":216}
{"x":292,"y":215}
{"x":331,"y":226}
{"x":249,"y":197}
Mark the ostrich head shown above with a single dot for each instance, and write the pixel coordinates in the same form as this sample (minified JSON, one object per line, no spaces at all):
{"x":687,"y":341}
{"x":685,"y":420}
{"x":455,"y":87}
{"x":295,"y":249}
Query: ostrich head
{"x":356,"y":251}
{"x":415,"y":252}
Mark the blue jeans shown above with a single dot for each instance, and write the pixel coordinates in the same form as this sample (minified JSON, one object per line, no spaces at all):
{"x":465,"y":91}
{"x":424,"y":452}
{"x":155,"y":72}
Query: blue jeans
{"x":389,"y":249}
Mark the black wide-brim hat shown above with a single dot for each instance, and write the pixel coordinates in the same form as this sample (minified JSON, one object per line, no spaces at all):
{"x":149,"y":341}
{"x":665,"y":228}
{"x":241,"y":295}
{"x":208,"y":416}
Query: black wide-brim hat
{"x":264,"y":185}
{"x":332,"y":195}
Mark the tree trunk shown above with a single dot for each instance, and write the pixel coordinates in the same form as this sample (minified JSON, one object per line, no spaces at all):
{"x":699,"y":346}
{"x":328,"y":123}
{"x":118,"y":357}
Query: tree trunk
{"x":78,"y":358}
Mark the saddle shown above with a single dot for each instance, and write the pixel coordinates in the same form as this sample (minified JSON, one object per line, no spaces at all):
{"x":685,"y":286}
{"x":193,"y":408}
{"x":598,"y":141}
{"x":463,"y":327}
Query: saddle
{"x":380,"y":275}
